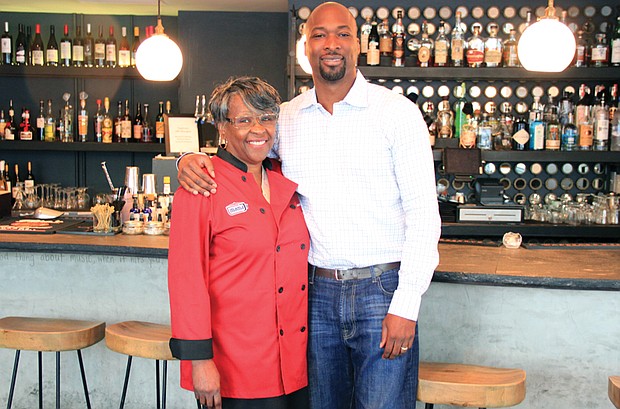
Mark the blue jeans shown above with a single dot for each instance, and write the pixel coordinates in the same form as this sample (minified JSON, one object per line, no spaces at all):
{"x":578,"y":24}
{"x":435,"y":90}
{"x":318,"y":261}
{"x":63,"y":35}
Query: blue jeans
{"x":345,"y":367}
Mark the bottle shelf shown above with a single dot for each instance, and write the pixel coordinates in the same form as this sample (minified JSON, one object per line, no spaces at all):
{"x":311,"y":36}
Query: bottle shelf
{"x":68,"y":72}
{"x":482,"y":74}
{"x":81,"y":146}
{"x":544,"y":156}
{"x":530,"y":229}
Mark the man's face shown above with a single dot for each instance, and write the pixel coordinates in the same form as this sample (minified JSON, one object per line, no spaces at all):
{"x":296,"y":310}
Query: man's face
{"x":332,"y":46}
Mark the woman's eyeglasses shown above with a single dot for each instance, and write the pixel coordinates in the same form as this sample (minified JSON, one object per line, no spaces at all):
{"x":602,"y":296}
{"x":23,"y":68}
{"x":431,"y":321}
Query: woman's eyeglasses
{"x":246,"y":122}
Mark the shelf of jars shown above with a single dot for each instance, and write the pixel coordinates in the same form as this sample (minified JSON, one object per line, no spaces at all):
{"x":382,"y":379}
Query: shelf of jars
{"x":82,"y":146}
{"x":543,"y":156}
{"x":532,"y":229}
{"x":68,"y":72}
{"x":482,"y":73}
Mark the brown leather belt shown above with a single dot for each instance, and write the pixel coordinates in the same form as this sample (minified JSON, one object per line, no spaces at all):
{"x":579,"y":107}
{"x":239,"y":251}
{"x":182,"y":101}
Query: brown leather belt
{"x":352,"y":273}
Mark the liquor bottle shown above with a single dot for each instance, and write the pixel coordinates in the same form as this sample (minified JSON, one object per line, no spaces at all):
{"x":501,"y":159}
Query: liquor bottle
{"x":78,"y":48}
{"x":510,"y":57}
{"x":9,"y":129}
{"x":615,"y":45}
{"x":583,"y":119}
{"x":442,"y":47}
{"x":425,"y":53}
{"x":168,"y":107}
{"x":107,"y":125}
{"x":485,"y":133}
{"x":385,"y":38}
{"x":599,"y":53}
{"x":60,"y":126}
{"x":25,"y":129}
{"x":373,"y":57}
{"x":89,"y":48}
{"x":582,"y":51}
{"x":475,"y":49}
{"x":520,"y":136}
{"x":126,"y":125}
{"x":3,"y":183}
{"x":6,"y":46}
{"x":41,"y":122}
{"x":99,"y":54}
{"x":135,"y":45}
{"x":445,"y":118}
{"x":50,"y":124}
{"x":110,"y":50}
{"x":147,"y":131}
{"x":460,"y":117}
{"x":83,"y":120}
{"x":469,"y":128}
{"x":457,"y":43}
{"x":364,"y":33}
{"x":67,"y":121}
{"x":614,"y":131}
{"x":29,"y":180}
{"x":21,"y":46}
{"x":502,"y":140}
{"x":51,"y":52}
{"x":7,"y":178}
{"x":565,"y":106}
{"x":66,"y":48}
{"x":601,"y":124}
{"x":569,"y":134}
{"x":160,"y":128}
{"x":118,"y":121}
{"x":613,"y":102}
{"x":37,"y":48}
{"x":537,"y":126}
{"x":124,"y":53}
{"x":15,"y":187}
{"x":98,"y":123}
{"x":398,"y":41}
{"x":137,"y":123}
{"x":29,"y":45}
{"x":2,"y":126}
{"x":553,"y":134}
{"x":493,"y":47}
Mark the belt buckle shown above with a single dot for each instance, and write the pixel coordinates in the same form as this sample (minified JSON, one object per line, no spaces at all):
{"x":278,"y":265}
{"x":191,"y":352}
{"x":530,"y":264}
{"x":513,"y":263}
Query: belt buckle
{"x":336,"y":271}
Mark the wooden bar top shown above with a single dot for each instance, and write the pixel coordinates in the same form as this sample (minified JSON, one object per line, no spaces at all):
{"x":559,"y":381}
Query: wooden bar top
{"x":595,"y":269}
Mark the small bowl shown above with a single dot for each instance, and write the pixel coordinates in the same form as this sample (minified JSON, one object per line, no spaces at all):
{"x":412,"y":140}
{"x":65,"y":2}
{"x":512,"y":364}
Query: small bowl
{"x":154,"y":228}
{"x":133,"y":227}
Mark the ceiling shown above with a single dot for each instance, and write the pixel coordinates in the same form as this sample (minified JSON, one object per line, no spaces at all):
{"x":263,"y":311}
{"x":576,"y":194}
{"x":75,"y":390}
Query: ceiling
{"x":141,"y":7}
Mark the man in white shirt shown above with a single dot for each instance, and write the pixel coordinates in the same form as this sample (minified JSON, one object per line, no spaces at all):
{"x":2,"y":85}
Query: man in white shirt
{"x":362,"y":160}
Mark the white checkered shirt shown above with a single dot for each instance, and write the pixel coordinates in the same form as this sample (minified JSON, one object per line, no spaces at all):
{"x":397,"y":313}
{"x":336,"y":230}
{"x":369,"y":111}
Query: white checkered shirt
{"x":367,"y":184}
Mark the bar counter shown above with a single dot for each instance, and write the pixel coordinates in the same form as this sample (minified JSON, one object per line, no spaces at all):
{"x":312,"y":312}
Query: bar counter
{"x":551,"y":312}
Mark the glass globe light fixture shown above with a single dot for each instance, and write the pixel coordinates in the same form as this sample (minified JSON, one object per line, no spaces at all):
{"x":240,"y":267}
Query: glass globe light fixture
{"x":158,"y":58}
{"x":302,"y":59}
{"x":547,"y":45}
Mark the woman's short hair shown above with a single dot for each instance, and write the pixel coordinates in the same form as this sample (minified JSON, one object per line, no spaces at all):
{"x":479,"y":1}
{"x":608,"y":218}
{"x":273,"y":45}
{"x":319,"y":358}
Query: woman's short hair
{"x":254,"y":92}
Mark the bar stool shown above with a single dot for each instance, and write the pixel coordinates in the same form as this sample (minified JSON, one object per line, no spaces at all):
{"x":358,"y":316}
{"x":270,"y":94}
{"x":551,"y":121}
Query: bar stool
{"x":48,"y":335}
{"x":145,"y":340}
{"x":614,"y":390}
{"x":470,"y":385}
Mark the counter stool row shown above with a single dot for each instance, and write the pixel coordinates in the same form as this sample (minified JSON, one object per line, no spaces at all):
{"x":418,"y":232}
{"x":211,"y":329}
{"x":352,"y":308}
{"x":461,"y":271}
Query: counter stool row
{"x":439,"y":383}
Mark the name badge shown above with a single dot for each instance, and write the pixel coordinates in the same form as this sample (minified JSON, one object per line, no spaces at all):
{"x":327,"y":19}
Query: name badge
{"x":236,"y":208}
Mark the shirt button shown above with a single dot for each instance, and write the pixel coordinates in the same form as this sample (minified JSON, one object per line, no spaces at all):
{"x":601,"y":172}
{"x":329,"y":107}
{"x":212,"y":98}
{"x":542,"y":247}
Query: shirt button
{"x":303,"y":329}
{"x":277,"y":248}
{"x":262,"y":210}
{"x":281,"y":290}
{"x":243,"y":178}
{"x":303,"y":287}
{"x":292,"y":206}
{"x":281,"y":332}
{"x":303,"y":246}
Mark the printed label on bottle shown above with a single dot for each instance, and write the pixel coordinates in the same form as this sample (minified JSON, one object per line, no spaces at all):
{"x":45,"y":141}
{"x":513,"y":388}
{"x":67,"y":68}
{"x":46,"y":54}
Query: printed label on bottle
{"x":615,"y":51}
{"x":49,"y":131}
{"x":2,"y":128}
{"x":6,"y":45}
{"x":65,"y":50}
{"x":521,"y":137}
{"x":399,"y":47}
{"x":601,"y":133}
{"x":457,"y":50}
{"x":475,"y":56}
{"x":137,"y":131}
{"x":159,"y":130}
{"x":52,"y":56}
{"x":599,"y":54}
{"x":493,"y":57}
{"x":586,"y":135}
{"x":373,"y":56}
{"x":110,"y":53}
{"x":511,"y":58}
{"x":467,"y":137}
{"x":124,"y":58}
{"x":8,"y":134}
{"x":106,"y":130}
{"x":385,"y":45}
{"x":40,"y":122}
{"x":99,"y":51}
{"x":78,"y":53}
{"x":424,"y":54}
{"x":364,"y":43}
{"x":569,"y":138}
{"x":37,"y":57}
{"x":25,"y":135}
{"x":82,"y":125}
{"x":441,"y":53}
{"x":537,"y":136}
{"x":126,"y":129}
{"x":484,"y":137}
{"x":20,"y":56}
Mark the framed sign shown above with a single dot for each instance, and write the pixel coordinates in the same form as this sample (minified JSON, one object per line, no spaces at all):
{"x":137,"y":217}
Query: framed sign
{"x":181,"y":134}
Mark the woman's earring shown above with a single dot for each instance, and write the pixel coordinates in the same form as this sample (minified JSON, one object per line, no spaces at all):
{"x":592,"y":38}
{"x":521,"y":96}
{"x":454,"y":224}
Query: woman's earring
{"x":223,"y":143}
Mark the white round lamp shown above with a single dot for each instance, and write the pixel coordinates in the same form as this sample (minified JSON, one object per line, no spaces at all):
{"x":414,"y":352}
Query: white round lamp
{"x":302,"y":59}
{"x":547,"y":45}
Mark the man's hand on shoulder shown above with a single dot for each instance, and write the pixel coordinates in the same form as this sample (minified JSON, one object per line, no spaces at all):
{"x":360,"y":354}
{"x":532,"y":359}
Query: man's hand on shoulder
{"x":192,"y":175}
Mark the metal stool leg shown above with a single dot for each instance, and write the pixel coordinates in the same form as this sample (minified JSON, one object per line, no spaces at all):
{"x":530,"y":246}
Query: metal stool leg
{"x":57,"y":379}
{"x":198,"y":404}
{"x":164,"y":381}
{"x":157,"y":383}
{"x":13,"y":379}
{"x":40,"y":361}
{"x":79,"y":354}
{"x":127,"y":371}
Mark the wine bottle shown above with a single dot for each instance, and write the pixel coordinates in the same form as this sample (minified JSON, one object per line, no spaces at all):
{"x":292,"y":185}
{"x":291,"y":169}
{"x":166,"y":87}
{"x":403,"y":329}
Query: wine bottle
{"x":29,"y":45}
{"x":373,"y":56}
{"x":614,"y":59}
{"x":98,"y":123}
{"x":100,"y":49}
{"x":442,"y":47}
{"x":2,"y":125}
{"x":147,"y":131}
{"x":50,"y":124}
{"x":126,"y":125}
{"x":65,"y":48}
{"x":118,"y":122}
{"x":21,"y":46}
{"x":110,"y":49}
{"x":7,"y":178}
{"x":78,"y":48}
{"x":60,"y":126}
{"x":41,"y":122}
{"x":29,"y":180}
{"x":89,"y":48}
{"x":51,"y":52}
{"x":107,"y":126}
{"x":398,"y":41}
{"x":160,"y":128}
{"x":137,"y":123}
{"x":17,"y":181}
{"x":135,"y":45}
{"x":38,"y":49}
{"x":457,"y":43}
{"x":6,"y":46}
{"x":9,"y":129}
{"x":364,"y":33}
{"x":124,"y":53}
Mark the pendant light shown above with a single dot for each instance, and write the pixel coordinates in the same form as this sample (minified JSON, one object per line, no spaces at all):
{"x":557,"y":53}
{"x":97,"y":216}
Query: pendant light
{"x":158,"y":58}
{"x":547,"y":45}
{"x":302,"y":59}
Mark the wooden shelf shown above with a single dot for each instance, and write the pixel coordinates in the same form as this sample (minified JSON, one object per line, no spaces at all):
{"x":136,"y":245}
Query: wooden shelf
{"x":529,"y":229}
{"x":68,"y":72}
{"x":82,"y":146}
{"x":544,"y":156}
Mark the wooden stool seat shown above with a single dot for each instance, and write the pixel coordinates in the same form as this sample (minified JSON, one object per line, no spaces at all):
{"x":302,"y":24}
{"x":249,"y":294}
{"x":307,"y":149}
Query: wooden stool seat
{"x":614,"y":390}
{"x":49,"y":334}
{"x":138,"y":338}
{"x":470,"y":385}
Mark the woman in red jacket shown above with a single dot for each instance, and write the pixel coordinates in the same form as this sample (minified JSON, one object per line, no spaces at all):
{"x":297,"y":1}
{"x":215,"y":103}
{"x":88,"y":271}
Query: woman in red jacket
{"x":237,"y":266}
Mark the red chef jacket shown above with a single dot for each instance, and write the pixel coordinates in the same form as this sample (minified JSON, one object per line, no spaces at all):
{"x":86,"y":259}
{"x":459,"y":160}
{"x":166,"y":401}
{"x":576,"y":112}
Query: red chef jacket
{"x":237,"y":279}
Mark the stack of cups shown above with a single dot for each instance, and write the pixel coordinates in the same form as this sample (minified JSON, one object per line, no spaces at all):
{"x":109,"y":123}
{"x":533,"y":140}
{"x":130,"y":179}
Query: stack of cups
{"x":132,"y":176}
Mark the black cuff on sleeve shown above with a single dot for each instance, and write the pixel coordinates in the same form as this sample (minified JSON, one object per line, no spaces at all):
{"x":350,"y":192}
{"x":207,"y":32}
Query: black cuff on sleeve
{"x":190,"y":350}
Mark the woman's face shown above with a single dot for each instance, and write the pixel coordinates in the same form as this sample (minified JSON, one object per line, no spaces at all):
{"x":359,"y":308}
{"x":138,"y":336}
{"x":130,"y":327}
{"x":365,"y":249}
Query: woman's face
{"x":250,"y":134}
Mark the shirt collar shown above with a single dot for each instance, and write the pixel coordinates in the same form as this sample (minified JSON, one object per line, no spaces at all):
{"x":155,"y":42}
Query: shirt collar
{"x":357,"y":95}
{"x":230,"y":158}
